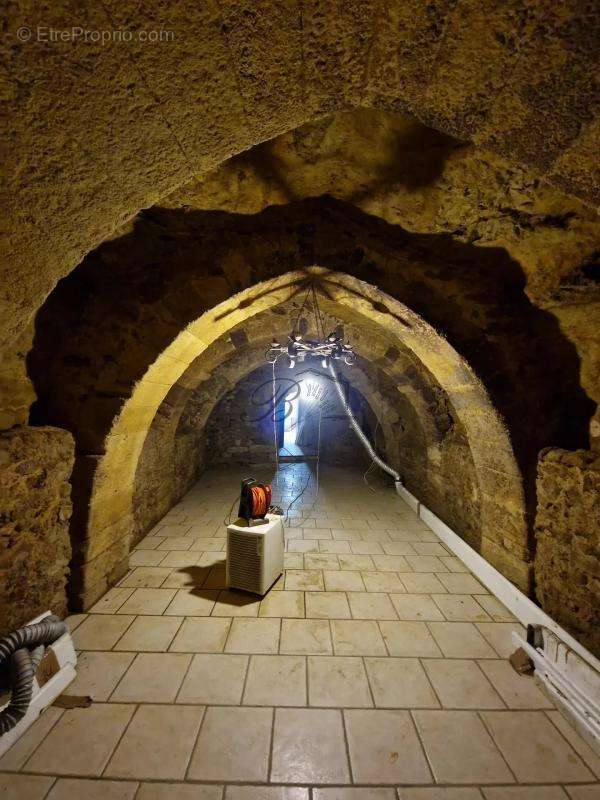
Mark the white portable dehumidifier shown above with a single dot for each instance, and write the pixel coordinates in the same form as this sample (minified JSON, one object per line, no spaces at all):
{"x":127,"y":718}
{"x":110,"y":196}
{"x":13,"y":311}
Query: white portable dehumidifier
{"x":255,"y":555}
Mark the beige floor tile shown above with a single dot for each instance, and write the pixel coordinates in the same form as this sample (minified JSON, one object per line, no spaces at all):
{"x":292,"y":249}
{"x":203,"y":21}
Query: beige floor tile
{"x":426,"y":564}
{"x":497,"y":611}
{"x":415,"y":607}
{"x":399,"y":549}
{"x":461,"y":583}
{"x":461,"y":684}
{"x":149,"y":542}
{"x":366,"y":548}
{"x":201,"y":635}
{"x":327,"y":605}
{"x":353,"y":793}
{"x":459,"y":748}
{"x":75,"y":620}
{"x":267,"y":793}
{"x":145,"y":558}
{"x":232,"y":603}
{"x":179,"y":791}
{"x":216,"y":559}
{"x":192,"y":602}
{"x":305,"y":637}
{"x":303,"y":546}
{"x":320,"y":561}
{"x":304,"y":580}
{"x":90,"y":789}
{"x":439,"y":793}
{"x":422,"y":583}
{"x":382,"y":582}
{"x":276,"y":681}
{"x":309,"y":746}
{"x":209,"y":545}
{"x":343,"y":535}
{"x":282,"y":604}
{"x":18,"y":754}
{"x":253,"y":636}
{"x":499,"y":635}
{"x":356,"y":562}
{"x":430,"y":549}
{"x":214,"y":679}
{"x":582,"y":792}
{"x":149,"y":634}
{"x":523,"y":736}
{"x":334,"y":547}
{"x":98,"y":673}
{"x":524,"y":793}
{"x":179,"y":559}
{"x":24,"y":787}
{"x":517,"y":691}
{"x":233,"y":745}
{"x":356,"y":637}
{"x":384,"y":748}
{"x":279,"y":584}
{"x":191,"y":577}
{"x":371,"y":605}
{"x":410,"y":639}
{"x":398,"y":535}
{"x":375,"y":536}
{"x":391,"y":563}
{"x":581,"y":747}
{"x":338,"y":682}
{"x":216,"y":578}
{"x":152,"y":678}
{"x":175,"y":530}
{"x":343,"y":581}
{"x":82,"y":740}
{"x":147,"y":601}
{"x":101,"y":632}
{"x":148,"y":577}
{"x":453,"y":564}
{"x":400,"y":683}
{"x":460,"y":640}
{"x":157,"y":744}
{"x":293,"y":561}
{"x":460,"y":608}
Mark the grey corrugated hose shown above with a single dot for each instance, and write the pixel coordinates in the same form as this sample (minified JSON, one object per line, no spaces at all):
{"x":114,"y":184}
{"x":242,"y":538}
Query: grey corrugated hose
{"x":21,"y":651}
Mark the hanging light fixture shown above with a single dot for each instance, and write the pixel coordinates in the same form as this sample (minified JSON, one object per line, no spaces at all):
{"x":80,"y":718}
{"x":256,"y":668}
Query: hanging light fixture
{"x":326,"y":349}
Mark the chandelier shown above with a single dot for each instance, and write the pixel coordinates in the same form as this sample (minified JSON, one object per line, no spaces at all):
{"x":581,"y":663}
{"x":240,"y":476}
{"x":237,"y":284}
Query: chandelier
{"x":298,"y":350}
{"x":328,"y":348}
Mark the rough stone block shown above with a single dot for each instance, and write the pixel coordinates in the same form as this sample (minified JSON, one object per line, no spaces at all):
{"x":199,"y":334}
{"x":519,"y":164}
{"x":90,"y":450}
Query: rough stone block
{"x":35,"y":503}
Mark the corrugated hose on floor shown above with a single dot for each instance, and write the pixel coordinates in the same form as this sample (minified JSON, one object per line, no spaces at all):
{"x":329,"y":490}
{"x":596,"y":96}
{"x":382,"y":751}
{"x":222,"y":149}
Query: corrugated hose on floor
{"x":21,"y":652}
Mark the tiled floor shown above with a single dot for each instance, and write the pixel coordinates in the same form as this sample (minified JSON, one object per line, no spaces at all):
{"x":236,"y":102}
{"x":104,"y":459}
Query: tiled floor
{"x":375,"y":669}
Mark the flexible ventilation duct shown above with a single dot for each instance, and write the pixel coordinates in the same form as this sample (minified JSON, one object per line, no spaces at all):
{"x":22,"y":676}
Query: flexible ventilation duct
{"x":357,"y":429}
{"x":22,"y":651}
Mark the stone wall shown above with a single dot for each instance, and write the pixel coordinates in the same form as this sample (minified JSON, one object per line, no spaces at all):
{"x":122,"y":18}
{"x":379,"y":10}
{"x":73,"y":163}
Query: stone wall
{"x":567,"y":562}
{"x":169,"y":465}
{"x":35,"y":507}
{"x":240,"y":429}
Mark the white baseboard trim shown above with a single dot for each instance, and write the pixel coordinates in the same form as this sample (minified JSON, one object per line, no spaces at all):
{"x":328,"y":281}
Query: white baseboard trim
{"x":524,"y":609}
{"x":571,"y":684}
{"x":408,"y":498}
